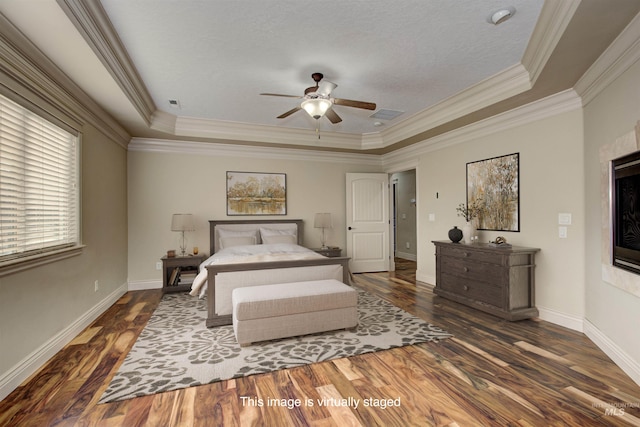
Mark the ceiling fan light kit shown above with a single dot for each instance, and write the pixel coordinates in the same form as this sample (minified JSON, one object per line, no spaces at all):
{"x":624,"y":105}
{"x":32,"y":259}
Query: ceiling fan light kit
{"x":316,"y":107}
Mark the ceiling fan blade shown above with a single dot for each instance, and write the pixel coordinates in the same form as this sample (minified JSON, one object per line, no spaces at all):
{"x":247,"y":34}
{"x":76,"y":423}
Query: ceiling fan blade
{"x":288,"y":113}
{"x":332,"y":116}
{"x":325,"y":87}
{"x":279,"y":94}
{"x":355,"y":104}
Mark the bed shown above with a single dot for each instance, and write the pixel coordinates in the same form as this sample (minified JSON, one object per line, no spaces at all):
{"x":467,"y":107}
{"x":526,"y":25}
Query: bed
{"x":262,"y":267}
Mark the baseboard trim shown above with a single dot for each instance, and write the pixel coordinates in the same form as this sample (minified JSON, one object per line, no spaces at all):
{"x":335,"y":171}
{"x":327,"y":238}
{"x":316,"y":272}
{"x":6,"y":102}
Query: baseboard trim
{"x":421,"y":276}
{"x":611,"y":349}
{"x":142,"y":285}
{"x":407,"y":256}
{"x":561,"y":319}
{"x":12,"y":379}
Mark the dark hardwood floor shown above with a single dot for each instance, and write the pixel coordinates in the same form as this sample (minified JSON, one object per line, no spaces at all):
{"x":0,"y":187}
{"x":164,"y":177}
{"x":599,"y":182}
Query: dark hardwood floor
{"x":491,"y":373}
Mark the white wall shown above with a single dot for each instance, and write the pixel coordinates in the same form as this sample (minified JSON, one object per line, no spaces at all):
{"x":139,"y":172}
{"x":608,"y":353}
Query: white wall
{"x":163,"y":183}
{"x":551,"y":182}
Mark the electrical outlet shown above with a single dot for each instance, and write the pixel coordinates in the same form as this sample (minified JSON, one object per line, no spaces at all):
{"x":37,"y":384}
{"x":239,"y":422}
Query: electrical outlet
{"x":408,"y":245}
{"x":96,"y":286}
{"x":159,"y":265}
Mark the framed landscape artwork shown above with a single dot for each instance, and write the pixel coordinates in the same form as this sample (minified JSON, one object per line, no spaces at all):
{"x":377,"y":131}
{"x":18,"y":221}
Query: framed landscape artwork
{"x":254,"y":193}
{"x":493,"y":185}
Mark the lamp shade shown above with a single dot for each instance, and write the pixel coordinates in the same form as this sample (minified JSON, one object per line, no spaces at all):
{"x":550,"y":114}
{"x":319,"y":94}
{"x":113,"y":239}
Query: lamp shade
{"x":322,"y":220}
{"x":182,"y":222}
{"x":316,"y":107}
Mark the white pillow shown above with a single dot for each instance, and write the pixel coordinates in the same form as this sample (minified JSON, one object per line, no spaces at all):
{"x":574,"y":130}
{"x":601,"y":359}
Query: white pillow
{"x":283,"y":238}
{"x":222,"y":232}
{"x":227,"y":242}
{"x":266,"y":232}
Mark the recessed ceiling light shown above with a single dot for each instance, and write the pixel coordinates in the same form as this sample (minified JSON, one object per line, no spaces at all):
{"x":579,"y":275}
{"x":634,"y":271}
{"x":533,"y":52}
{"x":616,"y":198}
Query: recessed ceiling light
{"x":502,"y":15}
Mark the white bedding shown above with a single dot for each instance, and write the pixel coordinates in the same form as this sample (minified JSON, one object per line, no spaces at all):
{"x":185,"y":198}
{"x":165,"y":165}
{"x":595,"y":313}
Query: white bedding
{"x":248,"y":254}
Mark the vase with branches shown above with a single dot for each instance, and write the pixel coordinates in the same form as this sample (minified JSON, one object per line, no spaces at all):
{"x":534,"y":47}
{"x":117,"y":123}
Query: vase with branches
{"x":469,"y":213}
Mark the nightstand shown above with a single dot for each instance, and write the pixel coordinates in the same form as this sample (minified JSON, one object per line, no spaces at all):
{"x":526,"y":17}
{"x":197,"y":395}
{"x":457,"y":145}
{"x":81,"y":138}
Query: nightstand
{"x":178,"y":272}
{"x":331,"y":252}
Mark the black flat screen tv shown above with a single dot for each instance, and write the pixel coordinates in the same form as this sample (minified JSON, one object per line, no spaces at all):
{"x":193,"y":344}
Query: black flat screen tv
{"x":626,"y":212}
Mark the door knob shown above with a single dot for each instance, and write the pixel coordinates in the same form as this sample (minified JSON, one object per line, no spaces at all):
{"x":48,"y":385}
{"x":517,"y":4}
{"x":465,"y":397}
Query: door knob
{"x":350,"y":228}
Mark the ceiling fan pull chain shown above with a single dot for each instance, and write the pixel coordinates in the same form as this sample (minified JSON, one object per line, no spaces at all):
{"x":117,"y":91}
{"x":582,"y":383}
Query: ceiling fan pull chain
{"x":318,"y":128}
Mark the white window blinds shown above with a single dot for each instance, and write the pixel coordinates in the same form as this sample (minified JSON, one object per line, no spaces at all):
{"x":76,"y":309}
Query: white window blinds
{"x":39,"y":200}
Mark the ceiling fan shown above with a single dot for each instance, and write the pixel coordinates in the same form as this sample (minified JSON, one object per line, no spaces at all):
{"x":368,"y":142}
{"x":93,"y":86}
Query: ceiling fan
{"x":317,"y":101}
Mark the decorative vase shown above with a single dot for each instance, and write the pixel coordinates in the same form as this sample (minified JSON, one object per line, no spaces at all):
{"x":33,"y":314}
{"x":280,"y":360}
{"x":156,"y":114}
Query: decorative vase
{"x":455,"y":234}
{"x":469,"y":232}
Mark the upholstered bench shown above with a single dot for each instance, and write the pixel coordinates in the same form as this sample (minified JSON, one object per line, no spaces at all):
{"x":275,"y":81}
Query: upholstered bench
{"x":269,"y":312}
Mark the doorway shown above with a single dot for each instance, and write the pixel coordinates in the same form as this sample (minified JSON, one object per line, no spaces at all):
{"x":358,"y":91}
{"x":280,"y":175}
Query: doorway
{"x":404,"y":218}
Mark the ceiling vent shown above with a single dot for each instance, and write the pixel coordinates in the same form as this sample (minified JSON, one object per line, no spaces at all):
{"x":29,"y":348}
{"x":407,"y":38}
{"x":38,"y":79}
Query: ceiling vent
{"x":383,"y":114}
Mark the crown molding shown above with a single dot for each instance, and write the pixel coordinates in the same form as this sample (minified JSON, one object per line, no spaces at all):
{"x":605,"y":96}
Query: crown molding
{"x":553,"y":21}
{"x":91,"y":20}
{"x":512,"y":81}
{"x":232,"y":150}
{"x":548,"y":107}
{"x":31,"y":75}
{"x":219,"y":129}
{"x":614,"y":61}
{"x":163,"y":122}
{"x":402,"y":159}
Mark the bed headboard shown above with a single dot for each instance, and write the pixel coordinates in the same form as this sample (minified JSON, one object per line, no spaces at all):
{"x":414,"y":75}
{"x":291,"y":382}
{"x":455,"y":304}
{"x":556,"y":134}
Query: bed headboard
{"x":253,"y":225}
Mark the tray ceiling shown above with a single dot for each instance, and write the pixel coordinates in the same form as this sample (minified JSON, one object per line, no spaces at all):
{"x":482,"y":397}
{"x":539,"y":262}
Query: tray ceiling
{"x":195,"y":69}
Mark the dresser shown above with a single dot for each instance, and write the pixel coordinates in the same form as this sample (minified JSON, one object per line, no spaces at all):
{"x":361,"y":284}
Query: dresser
{"x":500,"y":281}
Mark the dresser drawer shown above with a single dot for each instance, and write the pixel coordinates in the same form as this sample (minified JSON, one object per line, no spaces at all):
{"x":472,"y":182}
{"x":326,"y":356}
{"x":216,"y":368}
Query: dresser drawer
{"x":460,"y":251}
{"x":465,"y":268}
{"x":482,"y":292}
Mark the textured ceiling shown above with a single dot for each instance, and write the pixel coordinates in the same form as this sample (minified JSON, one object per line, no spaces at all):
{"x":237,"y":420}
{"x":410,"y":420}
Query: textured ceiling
{"x":439,"y":62}
{"x":215,"y":57}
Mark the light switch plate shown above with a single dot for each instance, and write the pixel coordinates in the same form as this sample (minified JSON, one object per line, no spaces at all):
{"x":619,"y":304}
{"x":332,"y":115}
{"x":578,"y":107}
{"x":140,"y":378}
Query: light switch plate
{"x":564,"y":218}
{"x":562,"y":232}
{"x":432,"y":217}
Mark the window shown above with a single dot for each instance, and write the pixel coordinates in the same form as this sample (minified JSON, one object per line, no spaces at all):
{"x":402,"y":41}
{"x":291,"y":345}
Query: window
{"x":39,"y":197}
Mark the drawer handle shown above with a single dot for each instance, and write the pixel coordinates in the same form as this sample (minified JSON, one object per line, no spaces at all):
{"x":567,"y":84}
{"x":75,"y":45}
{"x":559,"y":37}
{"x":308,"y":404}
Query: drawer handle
{"x":465,"y":287}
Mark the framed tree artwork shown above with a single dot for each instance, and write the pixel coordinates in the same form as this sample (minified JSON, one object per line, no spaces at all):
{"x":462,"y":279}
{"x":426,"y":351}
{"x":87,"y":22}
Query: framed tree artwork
{"x":255,"y":193}
{"x":493,"y":185}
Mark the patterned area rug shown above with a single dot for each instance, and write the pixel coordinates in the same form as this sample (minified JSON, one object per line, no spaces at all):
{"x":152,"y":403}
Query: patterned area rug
{"x":176,"y":350}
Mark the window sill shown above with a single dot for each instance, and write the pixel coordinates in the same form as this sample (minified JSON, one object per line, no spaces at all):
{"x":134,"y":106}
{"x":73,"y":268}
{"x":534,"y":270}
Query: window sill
{"x":21,"y":264}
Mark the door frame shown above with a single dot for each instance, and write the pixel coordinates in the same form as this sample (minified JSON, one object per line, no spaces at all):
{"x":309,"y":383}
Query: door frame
{"x":393,"y":209}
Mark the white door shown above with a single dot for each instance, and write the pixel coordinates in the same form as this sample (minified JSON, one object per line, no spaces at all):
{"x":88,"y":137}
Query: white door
{"x":368,"y":221}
